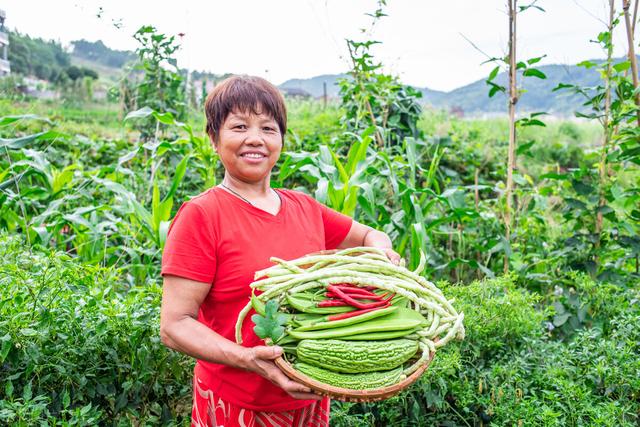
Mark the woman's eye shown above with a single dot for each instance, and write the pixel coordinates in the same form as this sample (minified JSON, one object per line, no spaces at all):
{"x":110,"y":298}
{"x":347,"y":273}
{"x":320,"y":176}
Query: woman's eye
{"x":269,"y":129}
{"x":242,"y":127}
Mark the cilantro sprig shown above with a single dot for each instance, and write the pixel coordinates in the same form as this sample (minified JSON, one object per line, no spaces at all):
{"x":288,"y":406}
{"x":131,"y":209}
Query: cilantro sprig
{"x":271,"y":325}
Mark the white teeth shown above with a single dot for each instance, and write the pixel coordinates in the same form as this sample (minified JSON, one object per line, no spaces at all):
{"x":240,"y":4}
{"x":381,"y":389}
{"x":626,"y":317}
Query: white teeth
{"x":253,"y":155}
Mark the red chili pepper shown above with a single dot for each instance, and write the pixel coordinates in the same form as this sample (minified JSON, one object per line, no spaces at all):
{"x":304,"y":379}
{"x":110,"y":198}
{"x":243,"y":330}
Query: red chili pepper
{"x":332,"y":303}
{"x":354,"y":296}
{"x":353,"y":313}
{"x":352,"y":286}
{"x":355,"y":291}
{"x":353,"y":302}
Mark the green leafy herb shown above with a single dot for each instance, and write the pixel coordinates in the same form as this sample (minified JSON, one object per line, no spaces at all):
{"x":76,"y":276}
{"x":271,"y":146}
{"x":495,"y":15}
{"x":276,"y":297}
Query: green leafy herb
{"x":271,"y":324}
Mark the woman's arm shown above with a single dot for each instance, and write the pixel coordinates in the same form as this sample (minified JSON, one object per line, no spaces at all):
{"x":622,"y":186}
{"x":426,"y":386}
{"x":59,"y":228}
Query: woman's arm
{"x":181,"y":331}
{"x":363,"y":235}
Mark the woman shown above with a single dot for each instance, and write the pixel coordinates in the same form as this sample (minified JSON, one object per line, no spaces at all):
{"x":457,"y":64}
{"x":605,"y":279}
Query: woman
{"x":215,"y":244}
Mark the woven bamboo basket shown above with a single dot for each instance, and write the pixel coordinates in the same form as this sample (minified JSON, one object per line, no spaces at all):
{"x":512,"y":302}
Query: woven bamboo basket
{"x":346,"y":394}
{"x":350,"y":395}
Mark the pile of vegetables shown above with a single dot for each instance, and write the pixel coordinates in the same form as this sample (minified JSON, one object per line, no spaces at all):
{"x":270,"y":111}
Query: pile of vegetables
{"x":351,"y":319}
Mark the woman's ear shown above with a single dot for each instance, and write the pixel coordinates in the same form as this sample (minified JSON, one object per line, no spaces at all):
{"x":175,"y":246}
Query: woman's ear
{"x":214,"y":141}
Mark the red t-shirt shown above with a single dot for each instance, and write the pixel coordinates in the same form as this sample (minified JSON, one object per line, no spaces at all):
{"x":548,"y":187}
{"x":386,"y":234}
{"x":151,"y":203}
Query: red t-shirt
{"x":220,"y":239}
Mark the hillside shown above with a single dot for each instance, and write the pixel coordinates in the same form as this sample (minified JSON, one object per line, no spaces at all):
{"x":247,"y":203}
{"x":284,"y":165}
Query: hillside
{"x":47,"y":60}
{"x":473,"y":98}
{"x":314,"y":85}
{"x":539,"y":95}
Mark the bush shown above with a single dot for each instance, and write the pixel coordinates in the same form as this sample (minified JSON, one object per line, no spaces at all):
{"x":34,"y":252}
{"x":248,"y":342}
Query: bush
{"x":508,"y":371}
{"x":76,"y":347}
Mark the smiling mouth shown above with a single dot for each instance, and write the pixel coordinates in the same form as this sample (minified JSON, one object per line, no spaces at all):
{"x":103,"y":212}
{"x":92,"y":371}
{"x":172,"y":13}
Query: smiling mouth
{"x":253,"y":155}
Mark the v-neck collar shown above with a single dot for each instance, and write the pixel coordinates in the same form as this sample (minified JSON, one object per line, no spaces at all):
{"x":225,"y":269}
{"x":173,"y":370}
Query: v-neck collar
{"x":252,"y":208}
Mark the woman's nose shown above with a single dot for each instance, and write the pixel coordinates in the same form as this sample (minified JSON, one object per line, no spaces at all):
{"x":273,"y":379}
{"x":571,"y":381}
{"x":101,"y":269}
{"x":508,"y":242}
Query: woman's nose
{"x":254,"y":135}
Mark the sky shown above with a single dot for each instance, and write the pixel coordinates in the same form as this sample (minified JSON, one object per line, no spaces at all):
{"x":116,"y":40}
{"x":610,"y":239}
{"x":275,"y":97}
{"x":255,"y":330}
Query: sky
{"x":425,"y":42}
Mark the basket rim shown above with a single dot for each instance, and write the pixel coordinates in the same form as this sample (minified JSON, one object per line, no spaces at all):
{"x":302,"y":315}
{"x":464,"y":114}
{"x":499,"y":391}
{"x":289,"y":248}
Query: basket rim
{"x":347,"y":394}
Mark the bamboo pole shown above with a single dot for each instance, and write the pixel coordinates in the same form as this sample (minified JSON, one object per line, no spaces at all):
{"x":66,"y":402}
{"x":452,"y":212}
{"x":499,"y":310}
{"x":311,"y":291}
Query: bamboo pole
{"x":476,"y":193}
{"x":513,"y":99}
{"x":632,"y":53}
{"x":607,"y":135}
{"x":324,"y":95}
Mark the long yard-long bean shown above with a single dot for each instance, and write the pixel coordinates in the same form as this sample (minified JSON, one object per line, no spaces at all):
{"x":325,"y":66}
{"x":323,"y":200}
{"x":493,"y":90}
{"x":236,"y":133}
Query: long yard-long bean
{"x":364,"y":267}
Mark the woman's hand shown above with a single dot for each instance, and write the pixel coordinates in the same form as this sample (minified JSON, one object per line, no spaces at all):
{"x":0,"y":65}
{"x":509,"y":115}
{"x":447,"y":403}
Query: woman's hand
{"x":363,"y":235}
{"x":260,"y":360}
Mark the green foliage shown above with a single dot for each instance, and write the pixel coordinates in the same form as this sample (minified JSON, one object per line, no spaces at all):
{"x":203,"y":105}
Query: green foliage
{"x":77,"y":346}
{"x":600,"y":205}
{"x":92,"y":120}
{"x":372,"y":98}
{"x":161,"y":88}
{"x":98,"y":52}
{"x":577,"y":302}
{"x":271,"y":325}
{"x":311,"y":124}
{"x":509,"y":372}
{"x":67,"y":193}
{"x":94,"y":198}
{"x":10,"y":87}
{"x":75,"y":73}
{"x":46,"y":60}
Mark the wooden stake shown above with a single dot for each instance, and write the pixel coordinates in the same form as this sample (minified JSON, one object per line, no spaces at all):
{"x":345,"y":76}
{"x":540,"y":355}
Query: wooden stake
{"x":607,"y":136}
{"x":476,"y":192}
{"x":513,"y":100}
{"x":632,"y":53}
{"x":324,"y":94}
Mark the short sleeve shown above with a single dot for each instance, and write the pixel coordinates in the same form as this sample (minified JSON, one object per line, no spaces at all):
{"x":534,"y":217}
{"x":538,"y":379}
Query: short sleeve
{"x":190,"y":249}
{"x":336,"y":226}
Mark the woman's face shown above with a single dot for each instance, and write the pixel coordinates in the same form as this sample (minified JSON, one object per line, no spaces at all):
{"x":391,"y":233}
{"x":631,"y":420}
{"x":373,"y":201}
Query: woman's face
{"x":249,"y":145}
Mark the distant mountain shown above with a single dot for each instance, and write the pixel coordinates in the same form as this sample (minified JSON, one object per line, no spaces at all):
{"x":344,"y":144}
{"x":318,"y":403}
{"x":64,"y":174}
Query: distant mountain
{"x":538,"y":96}
{"x":314,"y":85}
{"x":99,"y":53}
{"x":47,"y":60}
{"x":473,"y":98}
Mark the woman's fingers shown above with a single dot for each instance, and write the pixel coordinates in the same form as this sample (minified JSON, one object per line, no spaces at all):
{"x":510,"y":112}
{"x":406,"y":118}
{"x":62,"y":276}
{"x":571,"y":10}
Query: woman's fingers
{"x":306,"y":396}
{"x":299,"y":391}
{"x":393,"y":256}
{"x":267,"y":352}
{"x":295,"y":389}
{"x":278,"y":377}
{"x":263,"y":358}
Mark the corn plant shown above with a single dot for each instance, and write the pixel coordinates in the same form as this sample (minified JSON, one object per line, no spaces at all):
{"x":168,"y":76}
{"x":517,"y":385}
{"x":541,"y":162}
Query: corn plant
{"x":337,"y":180}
